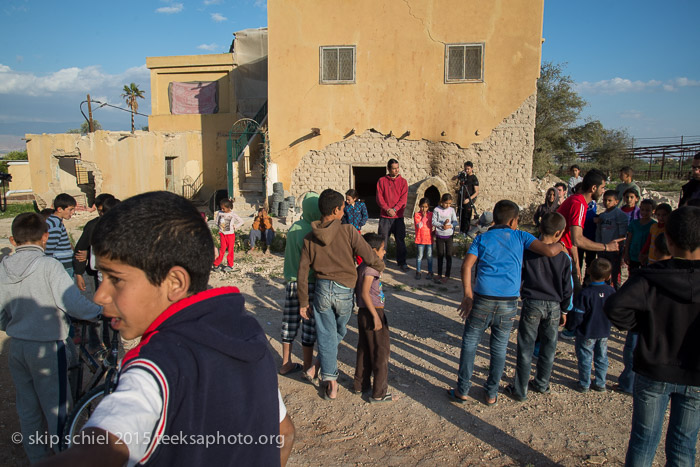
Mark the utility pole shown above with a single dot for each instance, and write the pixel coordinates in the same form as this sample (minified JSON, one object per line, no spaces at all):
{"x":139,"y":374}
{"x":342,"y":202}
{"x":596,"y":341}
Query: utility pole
{"x":90,"y":129}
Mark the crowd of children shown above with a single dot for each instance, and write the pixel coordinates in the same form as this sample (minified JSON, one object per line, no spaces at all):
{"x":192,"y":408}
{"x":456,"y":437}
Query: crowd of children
{"x":328,"y":268}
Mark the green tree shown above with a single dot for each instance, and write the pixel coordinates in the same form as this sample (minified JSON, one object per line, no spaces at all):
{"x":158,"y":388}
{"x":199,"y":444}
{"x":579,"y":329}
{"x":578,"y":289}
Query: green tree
{"x":12,"y":156}
{"x":84,"y":128}
{"x":558,"y":109}
{"x":609,"y":149}
{"x":131,"y":94}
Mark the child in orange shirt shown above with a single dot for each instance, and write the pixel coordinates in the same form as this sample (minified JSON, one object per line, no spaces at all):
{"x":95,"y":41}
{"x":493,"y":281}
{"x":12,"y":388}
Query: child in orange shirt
{"x":424,"y":237}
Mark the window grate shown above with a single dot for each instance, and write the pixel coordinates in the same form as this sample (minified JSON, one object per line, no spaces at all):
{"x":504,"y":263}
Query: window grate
{"x":464,"y":63}
{"x":337,"y":65}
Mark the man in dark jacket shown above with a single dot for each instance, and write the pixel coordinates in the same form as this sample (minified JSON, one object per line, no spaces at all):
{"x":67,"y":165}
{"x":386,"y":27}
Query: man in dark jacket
{"x":662,"y":304}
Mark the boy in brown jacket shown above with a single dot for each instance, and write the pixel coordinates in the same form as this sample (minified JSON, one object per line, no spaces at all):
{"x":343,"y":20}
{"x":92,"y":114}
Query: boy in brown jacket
{"x":330,"y":250}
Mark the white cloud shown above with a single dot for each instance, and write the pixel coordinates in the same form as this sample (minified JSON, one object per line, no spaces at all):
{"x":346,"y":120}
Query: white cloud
{"x":69,"y":80}
{"x":212,"y":2}
{"x":621,"y":85}
{"x":632,"y":115}
{"x":19,"y":58}
{"x":261,"y":4}
{"x":218,"y":17}
{"x":209,"y":47}
{"x":174,"y":8}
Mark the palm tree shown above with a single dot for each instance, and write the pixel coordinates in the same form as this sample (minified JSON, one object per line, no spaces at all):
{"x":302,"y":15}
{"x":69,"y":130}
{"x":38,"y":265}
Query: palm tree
{"x":131,"y":93}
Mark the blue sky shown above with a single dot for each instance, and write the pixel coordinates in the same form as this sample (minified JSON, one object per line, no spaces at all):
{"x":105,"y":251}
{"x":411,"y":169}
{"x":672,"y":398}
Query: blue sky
{"x":637,"y":64}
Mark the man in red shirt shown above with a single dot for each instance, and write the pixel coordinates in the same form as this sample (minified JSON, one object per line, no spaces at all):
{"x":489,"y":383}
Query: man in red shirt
{"x":392,"y":192}
{"x":574,"y":211}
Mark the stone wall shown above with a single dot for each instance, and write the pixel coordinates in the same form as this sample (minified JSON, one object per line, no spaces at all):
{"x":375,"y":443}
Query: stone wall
{"x":503,"y":161}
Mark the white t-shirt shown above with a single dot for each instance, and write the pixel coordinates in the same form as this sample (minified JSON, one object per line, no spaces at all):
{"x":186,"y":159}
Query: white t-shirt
{"x":133,"y":410}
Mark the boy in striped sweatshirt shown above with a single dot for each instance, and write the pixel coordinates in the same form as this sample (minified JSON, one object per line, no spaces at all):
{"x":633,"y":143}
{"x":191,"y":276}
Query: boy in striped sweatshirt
{"x":58,"y":245}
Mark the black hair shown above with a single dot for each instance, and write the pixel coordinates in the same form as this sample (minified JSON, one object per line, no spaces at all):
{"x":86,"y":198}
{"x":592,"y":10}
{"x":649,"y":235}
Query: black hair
{"x":46,"y":212}
{"x":64,"y":201}
{"x":648,"y":202}
{"x":504,"y":211}
{"x":424,"y":201}
{"x":226,"y":203}
{"x":328,"y":200}
{"x":611,"y":194}
{"x":155,"y":232}
{"x":577,"y":188}
{"x":469,"y":164}
{"x":600,"y":269}
{"x":551,"y":223}
{"x":664,"y":207}
{"x":101,"y":198}
{"x":445,"y":197}
{"x":627,"y":170}
{"x":661,"y":245}
{"x":374,"y":240}
{"x":391,"y":162}
{"x":109,"y":204}
{"x":683,"y":228}
{"x":693,"y":202}
{"x":352,"y":193}
{"x":28,"y":227}
{"x":561,"y":184}
{"x":593,"y":177}
{"x":631,"y":190}
{"x":575,"y":166}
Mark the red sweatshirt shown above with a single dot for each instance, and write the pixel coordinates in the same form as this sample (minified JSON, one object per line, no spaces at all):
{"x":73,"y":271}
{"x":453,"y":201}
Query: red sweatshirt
{"x":392,"y":194}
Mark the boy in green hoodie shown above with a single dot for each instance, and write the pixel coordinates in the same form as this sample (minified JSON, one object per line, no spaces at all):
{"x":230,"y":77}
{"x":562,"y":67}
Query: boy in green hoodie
{"x":291,"y":317}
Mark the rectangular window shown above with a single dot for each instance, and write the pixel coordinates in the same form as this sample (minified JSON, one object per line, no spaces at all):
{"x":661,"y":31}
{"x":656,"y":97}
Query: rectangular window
{"x":464,"y":63}
{"x":337,"y":64}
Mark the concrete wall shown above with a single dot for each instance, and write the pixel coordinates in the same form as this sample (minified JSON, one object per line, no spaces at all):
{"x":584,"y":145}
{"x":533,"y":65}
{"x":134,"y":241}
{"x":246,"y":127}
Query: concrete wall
{"x":123,"y":164}
{"x":502,"y":161}
{"x":400,"y":85}
{"x":21,"y":175}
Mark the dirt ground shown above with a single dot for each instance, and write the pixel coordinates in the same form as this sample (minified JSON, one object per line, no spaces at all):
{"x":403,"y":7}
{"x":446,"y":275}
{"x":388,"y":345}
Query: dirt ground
{"x":423,"y":427}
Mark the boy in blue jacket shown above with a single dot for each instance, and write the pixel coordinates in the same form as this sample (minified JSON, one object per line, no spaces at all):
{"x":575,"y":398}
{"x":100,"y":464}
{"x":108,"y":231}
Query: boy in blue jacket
{"x":592,"y":327}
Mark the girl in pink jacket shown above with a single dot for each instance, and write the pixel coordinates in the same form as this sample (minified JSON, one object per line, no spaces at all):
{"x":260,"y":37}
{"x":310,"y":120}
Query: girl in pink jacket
{"x":424,"y":236}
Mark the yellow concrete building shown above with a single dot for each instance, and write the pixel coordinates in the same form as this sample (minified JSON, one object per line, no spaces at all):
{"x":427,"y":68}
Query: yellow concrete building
{"x":430,"y":83}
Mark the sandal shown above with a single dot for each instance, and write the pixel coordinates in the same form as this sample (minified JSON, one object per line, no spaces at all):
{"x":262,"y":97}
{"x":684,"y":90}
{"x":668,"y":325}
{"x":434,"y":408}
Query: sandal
{"x":387,"y":398}
{"x":452,"y":394}
{"x":296,"y":368}
{"x":327,"y":393}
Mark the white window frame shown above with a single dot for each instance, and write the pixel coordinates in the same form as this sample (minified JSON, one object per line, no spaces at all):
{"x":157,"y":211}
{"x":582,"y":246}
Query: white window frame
{"x":447,"y":58}
{"x":320,"y":64}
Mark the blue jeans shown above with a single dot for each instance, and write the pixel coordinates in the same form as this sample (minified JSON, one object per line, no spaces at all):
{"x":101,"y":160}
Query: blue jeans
{"x":626,"y":378}
{"x":537,"y":316}
{"x":650,"y":402}
{"x":588,"y":352}
{"x":332,"y":308}
{"x":256,"y":235}
{"x":498,"y":315}
{"x":428,"y":250}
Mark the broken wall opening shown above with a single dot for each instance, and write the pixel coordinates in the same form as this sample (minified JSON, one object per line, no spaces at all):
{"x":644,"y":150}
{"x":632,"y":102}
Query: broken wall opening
{"x":365,"y":183}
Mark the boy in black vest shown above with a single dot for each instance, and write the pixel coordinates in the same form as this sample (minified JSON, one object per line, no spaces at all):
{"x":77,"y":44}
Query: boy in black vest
{"x":201,"y":387}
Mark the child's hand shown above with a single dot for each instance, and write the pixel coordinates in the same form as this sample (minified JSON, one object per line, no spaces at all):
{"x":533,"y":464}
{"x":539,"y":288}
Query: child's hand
{"x":81,"y":256}
{"x":562,"y":320}
{"x":377,"y":323}
{"x":305,"y":312}
{"x":80,"y":282}
{"x":465,"y":308}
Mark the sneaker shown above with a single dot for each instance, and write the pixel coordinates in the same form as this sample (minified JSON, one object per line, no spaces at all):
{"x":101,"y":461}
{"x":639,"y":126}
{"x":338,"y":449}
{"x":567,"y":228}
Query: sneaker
{"x":227,"y":269}
{"x":533,"y":388}
{"x":510,"y":391}
{"x":445,"y":279}
{"x":216,"y":268}
{"x":429,"y":276}
{"x":404,"y":267}
{"x":437,"y":279}
{"x":597,"y":388}
{"x":568,"y":335}
{"x":418,"y":276}
{"x":581,"y":389}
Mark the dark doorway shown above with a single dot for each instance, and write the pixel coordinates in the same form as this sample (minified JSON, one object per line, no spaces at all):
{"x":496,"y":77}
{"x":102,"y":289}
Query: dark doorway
{"x":366,"y":185}
{"x":433,"y":195}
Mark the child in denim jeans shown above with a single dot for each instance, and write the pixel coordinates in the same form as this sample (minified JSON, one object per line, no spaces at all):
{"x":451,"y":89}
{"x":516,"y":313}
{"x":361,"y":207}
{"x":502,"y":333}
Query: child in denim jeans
{"x":424,"y":236}
{"x":330,"y":249}
{"x":592,"y":327}
{"x":546,"y":293}
{"x":662,"y":304}
{"x":493,"y":302}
